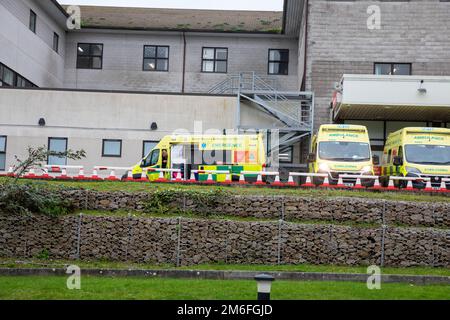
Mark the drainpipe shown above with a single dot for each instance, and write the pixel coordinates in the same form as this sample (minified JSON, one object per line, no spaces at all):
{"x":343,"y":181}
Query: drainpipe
{"x":184,"y":63}
{"x":303,"y":88}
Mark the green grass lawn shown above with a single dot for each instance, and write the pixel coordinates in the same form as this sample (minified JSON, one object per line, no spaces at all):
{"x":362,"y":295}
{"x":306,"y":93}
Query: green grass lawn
{"x":45,"y":263}
{"x":247,"y":190}
{"x":40,"y":288}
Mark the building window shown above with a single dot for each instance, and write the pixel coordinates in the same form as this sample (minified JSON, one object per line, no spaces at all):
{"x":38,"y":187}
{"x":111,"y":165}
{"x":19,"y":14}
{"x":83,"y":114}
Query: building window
{"x":21,"y":82}
{"x":33,"y":19}
{"x":55,"y":42}
{"x":156,"y":58}
{"x":59,"y":146}
{"x":279,"y":61}
{"x":215,"y":60}
{"x":6,"y":76}
{"x":148,"y":146}
{"x":89,"y":56}
{"x":9,"y":78}
{"x":396,"y":69}
{"x":2,"y":153}
{"x":112,"y":148}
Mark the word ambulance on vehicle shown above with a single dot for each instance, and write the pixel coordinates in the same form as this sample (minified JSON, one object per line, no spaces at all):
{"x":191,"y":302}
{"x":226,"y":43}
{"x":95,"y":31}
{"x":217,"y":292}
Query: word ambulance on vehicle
{"x":232,"y":153}
{"x":418,"y":152}
{"x":340,"y":149}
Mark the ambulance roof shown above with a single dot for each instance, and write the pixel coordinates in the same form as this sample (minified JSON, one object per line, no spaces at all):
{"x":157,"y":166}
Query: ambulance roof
{"x":408,"y":130}
{"x":342,"y":127}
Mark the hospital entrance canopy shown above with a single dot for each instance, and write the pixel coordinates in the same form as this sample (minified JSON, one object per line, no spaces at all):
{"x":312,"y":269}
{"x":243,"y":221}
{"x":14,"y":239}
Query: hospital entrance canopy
{"x":395,"y":98}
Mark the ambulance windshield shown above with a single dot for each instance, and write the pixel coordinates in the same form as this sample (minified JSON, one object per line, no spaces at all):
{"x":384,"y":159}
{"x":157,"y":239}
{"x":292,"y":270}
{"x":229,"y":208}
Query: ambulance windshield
{"x":427,"y":154}
{"x":344,"y":151}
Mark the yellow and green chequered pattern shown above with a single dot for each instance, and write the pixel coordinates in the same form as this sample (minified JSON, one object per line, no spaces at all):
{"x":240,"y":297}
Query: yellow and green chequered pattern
{"x":235,"y":170}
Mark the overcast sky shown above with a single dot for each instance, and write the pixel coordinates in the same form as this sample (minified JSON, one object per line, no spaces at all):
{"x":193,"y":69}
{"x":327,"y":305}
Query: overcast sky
{"x":266,"y":5}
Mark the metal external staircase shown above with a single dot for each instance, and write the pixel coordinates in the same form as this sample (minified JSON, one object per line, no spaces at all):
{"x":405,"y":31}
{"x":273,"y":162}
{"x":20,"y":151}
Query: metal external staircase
{"x":292,"y":111}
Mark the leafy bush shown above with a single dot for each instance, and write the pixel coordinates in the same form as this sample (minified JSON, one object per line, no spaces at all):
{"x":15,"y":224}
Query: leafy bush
{"x":43,"y":255}
{"x":27,"y":199}
{"x":37,"y":156}
{"x":162,"y":202}
{"x":167,"y":201}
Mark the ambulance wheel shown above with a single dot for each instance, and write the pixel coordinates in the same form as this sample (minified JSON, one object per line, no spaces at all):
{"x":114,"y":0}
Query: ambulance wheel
{"x":137,"y":176}
{"x":402,"y":184}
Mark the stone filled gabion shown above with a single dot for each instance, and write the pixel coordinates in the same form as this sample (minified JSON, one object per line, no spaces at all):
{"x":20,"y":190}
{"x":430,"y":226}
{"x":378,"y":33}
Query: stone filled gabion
{"x":414,"y":233}
{"x":196,"y":241}
{"x":290,"y":208}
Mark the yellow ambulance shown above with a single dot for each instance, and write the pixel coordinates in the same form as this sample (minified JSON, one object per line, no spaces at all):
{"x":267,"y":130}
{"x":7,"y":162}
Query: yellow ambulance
{"x":341,"y":149}
{"x":233,"y":153}
{"x":417,"y":152}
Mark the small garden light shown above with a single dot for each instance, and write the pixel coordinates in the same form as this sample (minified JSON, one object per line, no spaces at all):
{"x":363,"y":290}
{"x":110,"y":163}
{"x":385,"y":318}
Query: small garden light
{"x":264,"y":282}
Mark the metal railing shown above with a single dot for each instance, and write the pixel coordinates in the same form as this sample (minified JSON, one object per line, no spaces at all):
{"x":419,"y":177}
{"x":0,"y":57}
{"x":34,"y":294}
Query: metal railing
{"x":264,"y":91}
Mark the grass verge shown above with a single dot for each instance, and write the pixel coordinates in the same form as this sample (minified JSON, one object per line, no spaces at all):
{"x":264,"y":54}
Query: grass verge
{"x":40,"y":288}
{"x":217,"y":217}
{"x":106,"y":186}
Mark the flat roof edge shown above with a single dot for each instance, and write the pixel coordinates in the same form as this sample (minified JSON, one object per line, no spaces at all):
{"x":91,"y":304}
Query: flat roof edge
{"x":119,"y":92}
{"x":243,"y":32}
{"x":60,"y":8}
{"x":395,"y":77}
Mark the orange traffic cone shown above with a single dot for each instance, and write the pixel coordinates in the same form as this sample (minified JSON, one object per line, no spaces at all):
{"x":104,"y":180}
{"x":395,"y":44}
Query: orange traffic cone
{"x":10,"y":172}
{"x":112,"y":176}
{"x":63,"y":175}
{"x":227,"y":179}
{"x":129,"y":177}
{"x":30,"y":175}
{"x":210,"y":179}
{"x":326,"y":183}
{"x":377,"y":185}
{"x":178,"y":177}
{"x":443,"y":187}
{"x":45,"y":175}
{"x":242,"y":179}
{"x":95,"y":176}
{"x":291,"y":181}
{"x":81,"y":175}
{"x":409,"y":186}
{"x":391,"y":185}
{"x":308,"y":183}
{"x":358,"y":184}
{"x":340,"y":183}
{"x":428,"y":186}
{"x":277,"y":182}
{"x":192,"y":179}
{"x":259,"y":181}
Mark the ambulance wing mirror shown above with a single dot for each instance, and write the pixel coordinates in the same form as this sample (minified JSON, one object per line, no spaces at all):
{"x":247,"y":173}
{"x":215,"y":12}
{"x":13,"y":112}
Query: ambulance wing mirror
{"x":398,"y":161}
{"x":376,"y":160}
{"x":312,"y":157}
